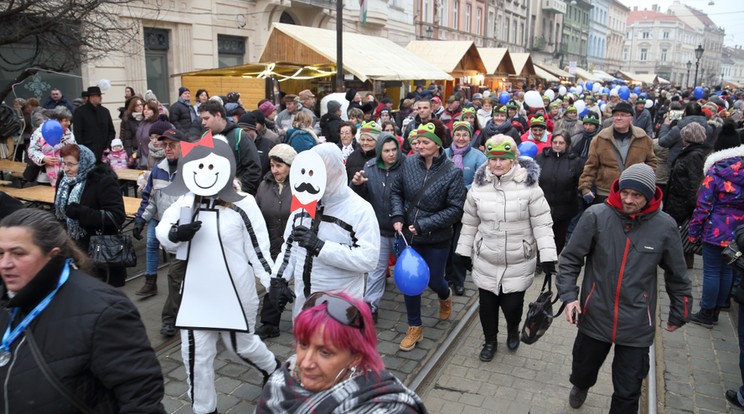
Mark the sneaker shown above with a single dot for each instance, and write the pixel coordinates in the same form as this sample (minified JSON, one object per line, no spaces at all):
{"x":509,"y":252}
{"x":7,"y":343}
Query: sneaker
{"x":414,"y":335}
{"x":577,"y":396}
{"x":445,"y":307}
{"x":168,"y":330}
{"x":267,"y":331}
{"x":488,"y":351}
{"x":733,"y":397}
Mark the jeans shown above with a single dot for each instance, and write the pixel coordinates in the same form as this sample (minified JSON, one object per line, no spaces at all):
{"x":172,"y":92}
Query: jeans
{"x":717,"y":277}
{"x":436,"y":258}
{"x":455,"y":268}
{"x":152,"y":249}
{"x":376,"y":278}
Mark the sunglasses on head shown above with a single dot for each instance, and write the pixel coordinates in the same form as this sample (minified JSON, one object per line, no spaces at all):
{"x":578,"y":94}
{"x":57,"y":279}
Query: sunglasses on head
{"x":337,"y":308}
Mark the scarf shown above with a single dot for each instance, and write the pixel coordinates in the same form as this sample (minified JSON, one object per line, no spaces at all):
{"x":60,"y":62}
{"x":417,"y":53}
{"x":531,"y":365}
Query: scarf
{"x":71,"y":189}
{"x":492,"y":129}
{"x":157,"y":153}
{"x":367,"y":392}
{"x":137,"y":116}
{"x":458,"y":154}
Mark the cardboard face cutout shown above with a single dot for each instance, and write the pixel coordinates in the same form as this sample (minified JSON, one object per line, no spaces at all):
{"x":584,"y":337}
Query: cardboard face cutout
{"x":206,"y":176}
{"x":308,"y":181}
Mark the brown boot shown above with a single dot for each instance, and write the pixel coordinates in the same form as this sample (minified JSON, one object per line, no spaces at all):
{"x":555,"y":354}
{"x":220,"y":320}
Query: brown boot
{"x":414,"y":335}
{"x":445,"y":307}
{"x":150,"y":288}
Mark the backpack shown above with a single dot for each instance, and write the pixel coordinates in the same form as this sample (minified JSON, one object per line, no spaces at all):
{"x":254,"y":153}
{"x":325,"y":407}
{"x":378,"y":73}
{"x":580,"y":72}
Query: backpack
{"x":10,"y":123}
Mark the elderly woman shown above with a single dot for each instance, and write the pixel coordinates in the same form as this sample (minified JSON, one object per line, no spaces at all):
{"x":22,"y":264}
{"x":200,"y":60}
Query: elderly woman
{"x":346,"y":132}
{"x":426,"y":201}
{"x":88,"y":200}
{"x":367,"y":149}
{"x":506,"y":222}
{"x":570,"y":122}
{"x":336,"y":367}
{"x":105,"y":359}
{"x":45,"y":155}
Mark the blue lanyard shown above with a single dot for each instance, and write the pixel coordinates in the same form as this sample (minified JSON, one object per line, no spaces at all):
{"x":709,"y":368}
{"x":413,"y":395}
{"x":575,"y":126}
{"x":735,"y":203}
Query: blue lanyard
{"x":11,"y":336}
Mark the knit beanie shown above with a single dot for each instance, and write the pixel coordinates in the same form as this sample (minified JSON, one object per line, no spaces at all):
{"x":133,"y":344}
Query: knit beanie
{"x":150,"y":96}
{"x":284,"y":152}
{"x":182,"y":89}
{"x":161,"y":125}
{"x":693,"y":133}
{"x":370,"y":129}
{"x":115,"y":142}
{"x":467,"y":111}
{"x":570,"y":109}
{"x":267,"y":108}
{"x":428,"y":131}
{"x":590,"y":118}
{"x":500,"y":109}
{"x":537,"y":121}
{"x":727,"y":137}
{"x":462,"y":125}
{"x":503,"y":149}
{"x":639,"y":177}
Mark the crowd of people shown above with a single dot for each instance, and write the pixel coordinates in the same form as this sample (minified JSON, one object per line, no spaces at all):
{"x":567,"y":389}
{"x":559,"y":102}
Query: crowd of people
{"x":504,"y":185}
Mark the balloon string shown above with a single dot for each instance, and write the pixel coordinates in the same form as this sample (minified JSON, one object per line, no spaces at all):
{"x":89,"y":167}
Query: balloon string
{"x":403,"y":237}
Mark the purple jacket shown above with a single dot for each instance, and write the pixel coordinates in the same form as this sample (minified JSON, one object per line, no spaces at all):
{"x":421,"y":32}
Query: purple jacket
{"x":720,"y":200}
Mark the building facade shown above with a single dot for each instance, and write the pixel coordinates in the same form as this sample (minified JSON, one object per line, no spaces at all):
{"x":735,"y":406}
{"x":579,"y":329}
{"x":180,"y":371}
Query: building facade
{"x":712,"y":41}
{"x":596,"y":52}
{"x":617,"y":18}
{"x":733,"y":65}
{"x":453,"y":20}
{"x":575,"y":33}
{"x":546,"y":30}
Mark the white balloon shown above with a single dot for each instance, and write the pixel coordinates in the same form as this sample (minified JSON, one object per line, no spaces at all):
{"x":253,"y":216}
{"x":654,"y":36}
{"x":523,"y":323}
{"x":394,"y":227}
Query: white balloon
{"x":596,"y":88}
{"x":550,"y":94}
{"x":562,"y":90}
{"x":579,"y":89}
{"x":533,"y":99}
{"x":649,"y":103}
{"x":602,"y":107}
{"x":616,"y":88}
{"x":104,"y":84}
{"x":580,"y":106}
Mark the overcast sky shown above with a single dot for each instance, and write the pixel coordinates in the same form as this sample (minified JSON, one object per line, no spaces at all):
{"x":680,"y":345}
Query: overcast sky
{"x":728,"y":14}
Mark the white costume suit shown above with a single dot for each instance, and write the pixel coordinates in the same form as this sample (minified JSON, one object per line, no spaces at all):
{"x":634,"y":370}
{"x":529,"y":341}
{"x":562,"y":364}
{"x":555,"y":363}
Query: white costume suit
{"x":246,"y":254}
{"x":349,"y":229}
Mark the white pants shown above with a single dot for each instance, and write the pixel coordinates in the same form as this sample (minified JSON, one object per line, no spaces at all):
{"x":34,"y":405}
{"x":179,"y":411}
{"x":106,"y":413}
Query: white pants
{"x":199,"y":348}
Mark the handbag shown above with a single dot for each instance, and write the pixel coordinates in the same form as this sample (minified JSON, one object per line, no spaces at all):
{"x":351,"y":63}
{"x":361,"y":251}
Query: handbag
{"x":540,"y":313}
{"x":114,"y":250}
{"x":688,"y":246}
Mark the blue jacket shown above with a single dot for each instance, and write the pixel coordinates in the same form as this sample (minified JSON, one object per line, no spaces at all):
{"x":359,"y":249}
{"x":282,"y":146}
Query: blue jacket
{"x":300,"y":140}
{"x":154,"y":202}
{"x":472,"y":159}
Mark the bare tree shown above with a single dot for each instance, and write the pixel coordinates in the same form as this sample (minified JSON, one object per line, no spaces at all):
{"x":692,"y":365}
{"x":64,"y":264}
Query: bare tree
{"x":60,"y":35}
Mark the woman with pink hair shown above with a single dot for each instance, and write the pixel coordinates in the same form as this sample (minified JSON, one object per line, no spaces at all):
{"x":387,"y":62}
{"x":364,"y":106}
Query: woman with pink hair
{"x":336,"y":368}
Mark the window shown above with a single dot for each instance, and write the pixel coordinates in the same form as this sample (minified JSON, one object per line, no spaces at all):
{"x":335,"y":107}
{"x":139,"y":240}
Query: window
{"x":443,"y":13}
{"x":663,"y":55}
{"x":644,"y":53}
{"x":478,"y":22}
{"x":646,"y":35}
{"x":491,"y":21}
{"x":507,"y":31}
{"x":467,"y":17}
{"x":625,"y":54}
{"x":426,"y":16}
{"x":666,"y":35}
{"x":456,"y":14}
{"x":230,"y":50}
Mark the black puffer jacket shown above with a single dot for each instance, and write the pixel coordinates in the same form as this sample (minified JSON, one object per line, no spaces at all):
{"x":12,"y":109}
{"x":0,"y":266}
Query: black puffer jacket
{"x":684,"y":181}
{"x":376,"y":190}
{"x":180,"y":116}
{"x":92,"y":339}
{"x":670,"y":137}
{"x":559,"y":180}
{"x":329,"y":127}
{"x":439,"y":207}
{"x":356,"y":161}
{"x":275,"y":209}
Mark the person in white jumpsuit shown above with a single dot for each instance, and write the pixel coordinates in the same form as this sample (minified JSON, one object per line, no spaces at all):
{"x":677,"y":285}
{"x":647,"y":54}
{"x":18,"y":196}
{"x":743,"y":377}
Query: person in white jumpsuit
{"x":228,"y":248}
{"x":347,"y":226}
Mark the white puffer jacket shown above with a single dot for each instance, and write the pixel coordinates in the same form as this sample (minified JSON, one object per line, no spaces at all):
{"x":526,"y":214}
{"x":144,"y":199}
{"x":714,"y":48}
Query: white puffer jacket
{"x":506,"y":222}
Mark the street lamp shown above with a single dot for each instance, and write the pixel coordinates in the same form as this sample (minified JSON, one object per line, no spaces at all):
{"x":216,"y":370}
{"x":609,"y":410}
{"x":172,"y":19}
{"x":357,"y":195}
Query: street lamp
{"x":429,"y":32}
{"x":698,"y":54}
{"x":689,"y":65}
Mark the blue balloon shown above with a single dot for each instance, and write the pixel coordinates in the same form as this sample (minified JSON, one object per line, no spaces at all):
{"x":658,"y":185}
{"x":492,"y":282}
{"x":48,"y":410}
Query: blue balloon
{"x":584,"y":112}
{"x":411,"y":272}
{"x":52,"y":132}
{"x":589,"y":86}
{"x":528,"y":149}
{"x":624,"y":92}
{"x":605,"y":91}
{"x":572,"y":89}
{"x":504,"y":98}
{"x":699,"y":92}
{"x":644,"y":95}
{"x":637,"y":90}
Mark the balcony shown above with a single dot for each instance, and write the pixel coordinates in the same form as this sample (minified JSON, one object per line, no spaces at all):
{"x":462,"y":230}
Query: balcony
{"x":538,"y":43}
{"x":556,"y":6}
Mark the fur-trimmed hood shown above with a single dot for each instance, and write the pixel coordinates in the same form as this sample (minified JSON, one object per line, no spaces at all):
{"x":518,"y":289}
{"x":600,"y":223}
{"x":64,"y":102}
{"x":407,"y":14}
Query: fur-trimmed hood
{"x":526,"y":170}
{"x":717,"y":156}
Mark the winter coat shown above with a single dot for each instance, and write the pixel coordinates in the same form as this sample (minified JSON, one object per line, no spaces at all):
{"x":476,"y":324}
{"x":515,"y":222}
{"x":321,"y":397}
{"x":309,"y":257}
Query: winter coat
{"x":439,"y":207}
{"x":275,"y":209}
{"x":669,"y":136}
{"x":471,"y":160}
{"x":720,"y":207}
{"x":376,"y":190}
{"x":572,"y":126}
{"x":51,"y":104}
{"x":118,"y":160}
{"x":643,"y":120}
{"x":143,"y":141}
{"x":541,"y":143}
{"x":506,"y":221}
{"x":350,"y":233}
{"x":38,"y":149}
{"x":602,"y":166}
{"x":580,"y":144}
{"x":619,"y":286}
{"x":356,"y":160}
{"x":182,"y":115}
{"x":246,"y":157}
{"x":559,"y":180}
{"x":492,"y":129}
{"x":128,"y":134}
{"x":264,"y":146}
{"x":92,"y":339}
{"x":300,"y":139}
{"x":93,"y":128}
{"x":329,"y":127}
{"x":154,"y":200}
{"x":684,"y":181}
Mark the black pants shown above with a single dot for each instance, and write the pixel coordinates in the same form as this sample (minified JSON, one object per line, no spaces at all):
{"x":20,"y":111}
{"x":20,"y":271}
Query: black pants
{"x":176,"y":273}
{"x":560,"y":232}
{"x":270,"y":315}
{"x":510,"y":303}
{"x":455,"y":270}
{"x":629,"y":368}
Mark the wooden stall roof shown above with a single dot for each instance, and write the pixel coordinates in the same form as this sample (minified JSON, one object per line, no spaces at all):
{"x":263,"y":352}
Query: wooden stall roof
{"x":606,"y":77}
{"x":366,"y":57}
{"x":451,"y":56}
{"x":543,"y":74}
{"x":522,"y":64}
{"x":555,"y":71}
{"x":497,"y":60}
{"x":587,"y":76}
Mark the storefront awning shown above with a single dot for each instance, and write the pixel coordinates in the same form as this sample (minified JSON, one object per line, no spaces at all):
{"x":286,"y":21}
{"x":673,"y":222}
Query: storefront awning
{"x":587,"y":76}
{"x":366,"y":57}
{"x":522,"y":64}
{"x":604,"y":76}
{"x":554,"y":70}
{"x":542,"y":74}
{"x":497,"y":60}
{"x":458,"y":57}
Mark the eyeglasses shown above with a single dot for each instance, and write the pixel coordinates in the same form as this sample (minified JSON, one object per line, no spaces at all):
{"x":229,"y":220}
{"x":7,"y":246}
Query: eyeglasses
{"x":170,"y":144}
{"x":337,"y":308}
{"x":69,"y":164}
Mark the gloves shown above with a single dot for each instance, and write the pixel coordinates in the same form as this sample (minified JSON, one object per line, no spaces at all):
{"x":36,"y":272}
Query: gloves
{"x":308,"y":239}
{"x":75,"y":211}
{"x":139,"y":225}
{"x":467,"y":262}
{"x":548,"y":267}
{"x":588,"y":198}
{"x":280,"y":294}
{"x":184,"y":232}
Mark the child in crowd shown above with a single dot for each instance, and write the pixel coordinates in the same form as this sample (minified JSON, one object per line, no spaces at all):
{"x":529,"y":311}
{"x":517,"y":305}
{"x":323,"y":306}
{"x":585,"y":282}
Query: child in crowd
{"x":157,"y":153}
{"x":117,"y":157}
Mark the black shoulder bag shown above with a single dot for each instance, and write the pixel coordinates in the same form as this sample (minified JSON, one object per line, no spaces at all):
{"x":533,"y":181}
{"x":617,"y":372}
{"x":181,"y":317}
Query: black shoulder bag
{"x":540,"y":313}
{"x":115,"y":250}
